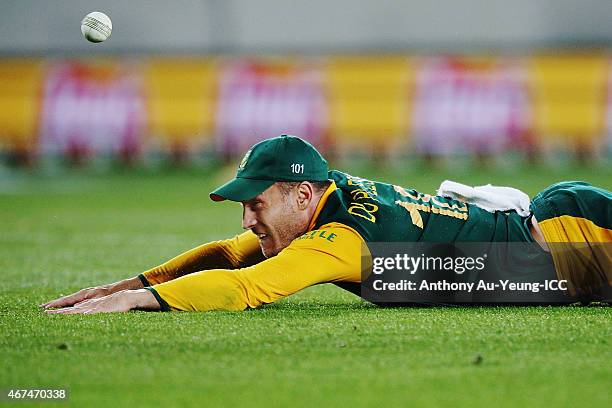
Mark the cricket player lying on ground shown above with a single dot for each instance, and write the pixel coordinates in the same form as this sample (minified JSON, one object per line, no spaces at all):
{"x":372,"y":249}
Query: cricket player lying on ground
{"x":306,"y":225}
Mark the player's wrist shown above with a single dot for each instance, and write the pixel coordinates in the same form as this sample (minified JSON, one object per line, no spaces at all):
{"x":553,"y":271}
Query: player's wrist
{"x":126,"y":284}
{"x":133,"y":283}
{"x":141,"y":299}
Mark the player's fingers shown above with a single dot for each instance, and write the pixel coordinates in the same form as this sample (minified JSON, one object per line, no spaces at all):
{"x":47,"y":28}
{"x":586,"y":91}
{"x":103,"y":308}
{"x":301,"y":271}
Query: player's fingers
{"x":51,"y":302}
{"x":57,"y":311}
{"x":69,"y":300}
{"x":60,"y":302}
{"x":65,"y":310}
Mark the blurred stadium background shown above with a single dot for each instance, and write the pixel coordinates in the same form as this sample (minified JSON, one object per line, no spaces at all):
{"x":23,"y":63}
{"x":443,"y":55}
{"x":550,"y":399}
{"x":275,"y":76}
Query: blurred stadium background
{"x":195,"y":80}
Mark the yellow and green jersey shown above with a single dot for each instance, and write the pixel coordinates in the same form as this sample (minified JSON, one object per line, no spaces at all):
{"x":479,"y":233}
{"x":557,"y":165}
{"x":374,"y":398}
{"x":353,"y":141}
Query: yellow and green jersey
{"x":382,"y":212}
{"x":233,"y":274}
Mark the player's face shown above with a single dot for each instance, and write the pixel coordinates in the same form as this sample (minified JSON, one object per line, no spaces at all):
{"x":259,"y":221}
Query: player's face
{"x":274,"y":218}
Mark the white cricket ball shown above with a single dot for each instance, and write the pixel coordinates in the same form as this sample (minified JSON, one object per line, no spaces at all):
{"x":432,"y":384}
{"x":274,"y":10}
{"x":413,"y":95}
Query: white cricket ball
{"x":96,"y":27}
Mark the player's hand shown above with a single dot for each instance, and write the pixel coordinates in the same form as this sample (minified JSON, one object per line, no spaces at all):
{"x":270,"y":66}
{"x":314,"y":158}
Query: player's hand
{"x":123,"y":301}
{"x":77,"y":297}
{"x":117,"y":302}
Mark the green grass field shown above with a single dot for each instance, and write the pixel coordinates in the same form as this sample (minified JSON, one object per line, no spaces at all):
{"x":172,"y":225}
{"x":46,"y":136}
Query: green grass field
{"x":320,"y":347}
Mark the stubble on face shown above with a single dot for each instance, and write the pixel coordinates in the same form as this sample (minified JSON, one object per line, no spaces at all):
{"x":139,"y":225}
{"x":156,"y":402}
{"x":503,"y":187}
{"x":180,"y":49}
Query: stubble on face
{"x":282,"y":223}
{"x":283,"y":227}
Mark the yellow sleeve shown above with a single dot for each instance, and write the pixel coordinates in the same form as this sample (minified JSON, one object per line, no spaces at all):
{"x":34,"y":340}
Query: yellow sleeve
{"x":329,"y":254}
{"x":240,"y":251}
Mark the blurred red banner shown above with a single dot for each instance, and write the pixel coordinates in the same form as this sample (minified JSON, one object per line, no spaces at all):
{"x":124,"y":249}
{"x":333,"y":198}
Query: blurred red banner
{"x":92,"y":109}
{"x":258,"y":100}
{"x":469,"y":106}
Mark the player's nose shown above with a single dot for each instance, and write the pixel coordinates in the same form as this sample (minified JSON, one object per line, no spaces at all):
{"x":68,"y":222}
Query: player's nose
{"x":248,"y":218}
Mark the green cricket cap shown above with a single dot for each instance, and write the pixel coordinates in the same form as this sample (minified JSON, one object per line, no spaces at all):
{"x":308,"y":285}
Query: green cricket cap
{"x":281,"y":158}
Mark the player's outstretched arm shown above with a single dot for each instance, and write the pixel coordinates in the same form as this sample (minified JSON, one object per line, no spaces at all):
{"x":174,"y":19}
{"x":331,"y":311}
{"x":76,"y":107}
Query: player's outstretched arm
{"x":235,"y":252}
{"x":330,"y":254}
{"x":93,"y":293}
{"x":333,"y":253}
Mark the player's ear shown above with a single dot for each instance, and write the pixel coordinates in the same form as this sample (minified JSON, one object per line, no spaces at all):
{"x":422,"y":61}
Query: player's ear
{"x":305,"y":192}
